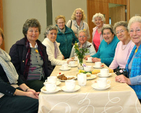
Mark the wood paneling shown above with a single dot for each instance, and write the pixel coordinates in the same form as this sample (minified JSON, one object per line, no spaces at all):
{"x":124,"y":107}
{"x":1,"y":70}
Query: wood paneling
{"x":102,"y":6}
{"x":1,"y":19}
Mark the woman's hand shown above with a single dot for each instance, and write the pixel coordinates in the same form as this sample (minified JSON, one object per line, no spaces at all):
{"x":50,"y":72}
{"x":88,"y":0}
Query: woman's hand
{"x":122,"y":79}
{"x":69,"y":60}
{"x":86,"y":57}
{"x":32,"y":95}
{"x":96,"y":59}
{"x":34,"y":92}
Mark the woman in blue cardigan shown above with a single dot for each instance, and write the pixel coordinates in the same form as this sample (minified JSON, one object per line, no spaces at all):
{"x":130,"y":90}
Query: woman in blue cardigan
{"x":65,"y":36}
{"x":133,"y":66}
{"x":107,"y":47}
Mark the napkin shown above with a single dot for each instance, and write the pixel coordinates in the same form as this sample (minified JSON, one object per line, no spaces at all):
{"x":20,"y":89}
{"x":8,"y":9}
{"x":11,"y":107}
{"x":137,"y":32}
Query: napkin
{"x":95,"y":71}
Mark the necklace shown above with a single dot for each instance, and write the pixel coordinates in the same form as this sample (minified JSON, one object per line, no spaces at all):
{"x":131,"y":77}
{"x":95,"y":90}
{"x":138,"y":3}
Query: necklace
{"x":123,"y":47}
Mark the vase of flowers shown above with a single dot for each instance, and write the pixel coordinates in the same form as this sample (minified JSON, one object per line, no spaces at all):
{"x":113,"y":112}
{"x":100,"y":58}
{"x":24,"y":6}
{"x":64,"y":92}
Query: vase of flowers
{"x":80,"y":52}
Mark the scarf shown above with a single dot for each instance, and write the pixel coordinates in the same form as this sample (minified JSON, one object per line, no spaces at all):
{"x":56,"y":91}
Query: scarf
{"x":8,"y":67}
{"x":62,"y":30}
{"x":56,"y":51}
{"x":135,"y":69}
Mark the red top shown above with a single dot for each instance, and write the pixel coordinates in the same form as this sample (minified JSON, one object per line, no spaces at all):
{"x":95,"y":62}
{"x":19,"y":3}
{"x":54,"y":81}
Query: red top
{"x":96,"y":40}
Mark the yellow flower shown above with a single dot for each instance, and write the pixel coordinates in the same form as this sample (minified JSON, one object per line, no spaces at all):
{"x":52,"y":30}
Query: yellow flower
{"x":36,"y":51}
{"x":84,"y":29}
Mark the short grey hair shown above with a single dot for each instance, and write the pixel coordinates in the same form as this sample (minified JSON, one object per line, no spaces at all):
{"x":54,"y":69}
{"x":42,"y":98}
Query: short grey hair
{"x":49,"y":28}
{"x":120,"y":23}
{"x":134,"y":19}
{"x":84,"y":31}
{"x":98,"y":15}
{"x":107,"y":26}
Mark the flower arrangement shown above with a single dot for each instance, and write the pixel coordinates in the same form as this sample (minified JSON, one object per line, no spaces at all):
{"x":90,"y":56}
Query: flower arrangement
{"x":80,"y":52}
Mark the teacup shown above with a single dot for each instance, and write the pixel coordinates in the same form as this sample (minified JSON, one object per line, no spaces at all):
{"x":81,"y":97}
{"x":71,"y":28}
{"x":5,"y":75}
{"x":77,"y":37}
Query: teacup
{"x":81,"y":79}
{"x":89,"y":59}
{"x":97,"y":64}
{"x":102,"y":82}
{"x":88,"y":68}
{"x":72,"y":63}
{"x":70,"y":85}
{"x":50,"y":87}
{"x":104,"y":72}
{"x":51,"y":79}
{"x":65,"y":66}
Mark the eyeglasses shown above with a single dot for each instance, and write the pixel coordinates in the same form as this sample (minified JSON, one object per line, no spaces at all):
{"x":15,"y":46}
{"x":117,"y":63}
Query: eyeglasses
{"x":138,"y":30}
{"x":120,"y":31}
{"x":81,"y":36}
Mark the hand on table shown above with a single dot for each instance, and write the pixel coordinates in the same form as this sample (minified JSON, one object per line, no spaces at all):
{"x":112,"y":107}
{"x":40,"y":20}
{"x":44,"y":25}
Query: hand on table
{"x":96,"y":59}
{"x":122,"y":79}
{"x":86,"y":57}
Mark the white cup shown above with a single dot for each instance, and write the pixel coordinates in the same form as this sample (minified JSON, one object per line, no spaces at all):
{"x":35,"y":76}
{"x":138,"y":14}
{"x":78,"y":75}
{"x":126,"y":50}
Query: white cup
{"x":70,"y":85}
{"x":72,"y":63}
{"x":75,"y":57}
{"x":50,"y":87}
{"x":51,"y":79}
{"x":97,"y":64}
{"x":81,"y":79}
{"x":104,"y":72}
{"x":89,"y":59}
{"x":88,"y":68}
{"x":102,"y":82}
{"x":65,"y":66}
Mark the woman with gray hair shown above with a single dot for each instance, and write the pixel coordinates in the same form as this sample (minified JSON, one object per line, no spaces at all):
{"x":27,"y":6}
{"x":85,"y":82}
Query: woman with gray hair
{"x":107,"y":47}
{"x":82,"y":37}
{"x":52,"y":47}
{"x":29,"y":56}
{"x":98,"y":19}
{"x":77,"y":22}
{"x":133,"y":66}
{"x":123,"y":49}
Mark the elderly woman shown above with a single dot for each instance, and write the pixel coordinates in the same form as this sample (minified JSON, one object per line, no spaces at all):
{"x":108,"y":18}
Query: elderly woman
{"x":77,"y":22}
{"x":29,"y":56}
{"x":107,"y":47}
{"x":65,"y":36}
{"x":15,"y":96}
{"x":98,"y":19}
{"x":82,"y":37}
{"x":133,"y":66}
{"x":52,"y":47}
{"x":124,"y":47}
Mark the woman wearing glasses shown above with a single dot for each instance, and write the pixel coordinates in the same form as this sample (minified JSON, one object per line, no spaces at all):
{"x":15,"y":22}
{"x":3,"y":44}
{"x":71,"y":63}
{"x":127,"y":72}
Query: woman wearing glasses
{"x":133,"y":66}
{"x":124,"y":47}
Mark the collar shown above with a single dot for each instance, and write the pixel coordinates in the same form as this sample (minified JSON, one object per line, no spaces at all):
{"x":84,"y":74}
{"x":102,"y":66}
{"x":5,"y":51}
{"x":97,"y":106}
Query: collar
{"x":36,"y":46}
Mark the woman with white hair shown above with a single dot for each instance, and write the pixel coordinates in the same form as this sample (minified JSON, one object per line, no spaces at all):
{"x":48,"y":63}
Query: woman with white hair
{"x":52,"y":46}
{"x":77,"y":22}
{"x":98,"y":19}
{"x":133,"y":66}
{"x":82,"y":37}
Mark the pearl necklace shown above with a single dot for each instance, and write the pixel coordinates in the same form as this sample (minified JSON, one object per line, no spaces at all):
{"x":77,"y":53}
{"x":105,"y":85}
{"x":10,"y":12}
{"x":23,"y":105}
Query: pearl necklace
{"x":123,"y":47}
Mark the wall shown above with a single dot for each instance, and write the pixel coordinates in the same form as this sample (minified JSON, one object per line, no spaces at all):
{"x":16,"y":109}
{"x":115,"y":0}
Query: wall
{"x":16,"y":12}
{"x":135,"y":7}
{"x":66,"y":8}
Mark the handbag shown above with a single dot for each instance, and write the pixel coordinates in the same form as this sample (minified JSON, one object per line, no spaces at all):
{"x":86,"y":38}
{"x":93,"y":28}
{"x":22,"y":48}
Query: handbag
{"x":120,"y":71}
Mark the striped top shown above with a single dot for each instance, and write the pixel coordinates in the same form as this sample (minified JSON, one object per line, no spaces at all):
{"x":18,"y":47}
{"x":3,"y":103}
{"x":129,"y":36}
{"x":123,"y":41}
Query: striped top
{"x":36,"y":63}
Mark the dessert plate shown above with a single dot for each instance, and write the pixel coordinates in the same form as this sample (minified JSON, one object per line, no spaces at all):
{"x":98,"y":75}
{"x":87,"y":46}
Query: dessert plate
{"x":99,"y":74}
{"x":73,"y":65}
{"x":43,"y":90}
{"x":65,"y":69}
{"x":68,"y":78}
{"x":91,"y":77}
{"x":95,"y":86}
{"x":77,"y":87}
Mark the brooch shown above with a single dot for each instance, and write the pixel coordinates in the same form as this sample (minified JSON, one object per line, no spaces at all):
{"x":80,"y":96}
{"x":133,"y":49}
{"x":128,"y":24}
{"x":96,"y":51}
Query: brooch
{"x":36,"y":51}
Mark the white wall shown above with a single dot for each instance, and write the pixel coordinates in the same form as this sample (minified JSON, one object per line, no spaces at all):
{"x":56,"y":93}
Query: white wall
{"x":66,"y":8}
{"x":16,"y":12}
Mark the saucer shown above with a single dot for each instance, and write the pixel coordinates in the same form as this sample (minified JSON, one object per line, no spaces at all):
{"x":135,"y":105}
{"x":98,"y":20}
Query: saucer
{"x":98,"y":67}
{"x":43,"y":90}
{"x":99,"y":74}
{"x":57,"y":83}
{"x":91,"y":77}
{"x":73,"y":65}
{"x":77,"y":87}
{"x":95,"y":86}
{"x":66,"y":69}
{"x":89,"y":61}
